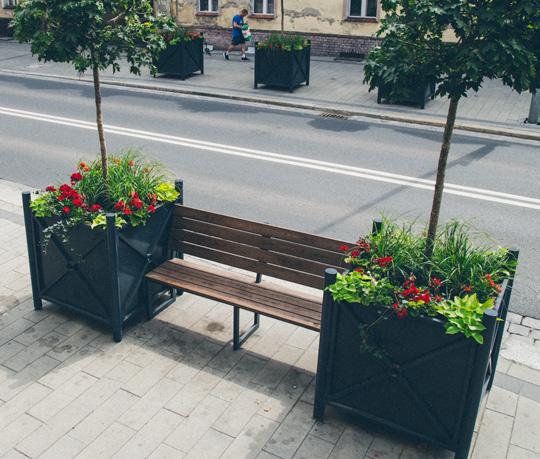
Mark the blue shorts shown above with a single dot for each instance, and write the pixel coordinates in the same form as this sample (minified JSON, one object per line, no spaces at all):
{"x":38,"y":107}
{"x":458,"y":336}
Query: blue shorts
{"x":238,"y":40}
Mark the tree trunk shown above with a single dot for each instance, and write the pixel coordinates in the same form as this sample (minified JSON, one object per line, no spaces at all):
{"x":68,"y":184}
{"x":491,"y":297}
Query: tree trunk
{"x":99,"y":121}
{"x":282,"y":16}
{"x":441,"y":171}
{"x":534,"y":109}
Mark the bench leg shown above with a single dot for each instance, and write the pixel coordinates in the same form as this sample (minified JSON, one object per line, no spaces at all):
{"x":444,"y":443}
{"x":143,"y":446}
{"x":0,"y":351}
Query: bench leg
{"x":153,"y":310}
{"x":238,"y":339}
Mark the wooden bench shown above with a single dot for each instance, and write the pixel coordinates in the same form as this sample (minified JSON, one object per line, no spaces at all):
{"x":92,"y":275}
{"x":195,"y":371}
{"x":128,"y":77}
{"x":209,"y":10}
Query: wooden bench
{"x":258,"y":248}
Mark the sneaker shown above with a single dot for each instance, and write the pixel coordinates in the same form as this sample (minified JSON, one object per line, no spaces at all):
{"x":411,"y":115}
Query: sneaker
{"x":226,"y":56}
{"x":245,"y":58}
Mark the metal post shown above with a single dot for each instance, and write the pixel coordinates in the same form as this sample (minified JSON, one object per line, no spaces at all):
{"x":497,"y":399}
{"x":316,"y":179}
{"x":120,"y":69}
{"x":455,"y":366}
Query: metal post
{"x":112,"y":255}
{"x":330,"y":276}
{"x":31,"y":243}
{"x":377,"y":226}
{"x":514,"y":254}
{"x":476,"y":386}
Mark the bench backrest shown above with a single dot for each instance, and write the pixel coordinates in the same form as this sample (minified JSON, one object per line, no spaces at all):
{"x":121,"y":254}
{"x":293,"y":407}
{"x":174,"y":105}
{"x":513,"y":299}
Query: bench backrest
{"x":263,"y":249}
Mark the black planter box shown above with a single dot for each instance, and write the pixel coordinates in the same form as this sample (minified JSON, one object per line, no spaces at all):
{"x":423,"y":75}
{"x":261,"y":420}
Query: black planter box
{"x":98,"y":273}
{"x":5,"y":30}
{"x":284,"y":69}
{"x":428,"y":385}
{"x":418,"y":94}
{"x":182,"y":59}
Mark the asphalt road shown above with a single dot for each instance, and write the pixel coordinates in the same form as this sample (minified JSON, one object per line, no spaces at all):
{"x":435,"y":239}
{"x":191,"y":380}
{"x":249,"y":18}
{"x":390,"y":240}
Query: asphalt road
{"x":326,"y":176}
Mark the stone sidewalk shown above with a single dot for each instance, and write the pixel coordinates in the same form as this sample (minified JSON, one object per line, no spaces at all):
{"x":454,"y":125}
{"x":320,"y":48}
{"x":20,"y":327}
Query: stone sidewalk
{"x":175,"y":389}
{"x":334,"y":86}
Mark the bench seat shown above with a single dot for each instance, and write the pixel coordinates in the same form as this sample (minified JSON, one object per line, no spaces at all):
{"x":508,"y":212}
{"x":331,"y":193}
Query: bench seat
{"x":242,"y":291}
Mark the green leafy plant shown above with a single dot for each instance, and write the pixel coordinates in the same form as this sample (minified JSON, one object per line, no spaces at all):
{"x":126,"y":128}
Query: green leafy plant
{"x":492,"y":40}
{"x":174,"y":34}
{"x":464,"y":315}
{"x":284,"y":42}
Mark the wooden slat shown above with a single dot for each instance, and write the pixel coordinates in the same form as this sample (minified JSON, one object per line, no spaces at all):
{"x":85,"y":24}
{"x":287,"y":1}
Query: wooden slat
{"x":250,"y":288}
{"x":255,"y":266}
{"x":254,"y":253}
{"x":236,"y":300}
{"x":328,"y":258}
{"x":260,"y":228}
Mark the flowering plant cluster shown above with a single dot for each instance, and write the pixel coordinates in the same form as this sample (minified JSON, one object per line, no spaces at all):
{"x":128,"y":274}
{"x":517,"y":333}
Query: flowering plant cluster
{"x":133,"y":190}
{"x":174,"y":34}
{"x":284,"y":42}
{"x":459,"y":282}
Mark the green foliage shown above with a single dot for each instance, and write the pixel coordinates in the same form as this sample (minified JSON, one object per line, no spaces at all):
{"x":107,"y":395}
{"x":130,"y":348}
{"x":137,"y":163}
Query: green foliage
{"x":356,"y":287}
{"x":90,"y":33}
{"x":464,"y":315}
{"x":174,"y":34}
{"x":284,"y":42}
{"x":492,"y":41}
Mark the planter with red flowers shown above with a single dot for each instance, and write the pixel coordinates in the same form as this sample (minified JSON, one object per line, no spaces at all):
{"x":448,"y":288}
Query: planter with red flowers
{"x":183,"y":54}
{"x":282,"y":61}
{"x":92,"y":240}
{"x":411,"y":343}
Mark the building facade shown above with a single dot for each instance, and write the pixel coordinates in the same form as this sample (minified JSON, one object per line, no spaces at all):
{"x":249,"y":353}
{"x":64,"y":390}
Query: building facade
{"x":334,"y":26}
{"x":6,"y":13}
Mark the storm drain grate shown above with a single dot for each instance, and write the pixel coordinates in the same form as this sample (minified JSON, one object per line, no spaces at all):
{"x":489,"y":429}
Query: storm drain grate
{"x":336,"y":116}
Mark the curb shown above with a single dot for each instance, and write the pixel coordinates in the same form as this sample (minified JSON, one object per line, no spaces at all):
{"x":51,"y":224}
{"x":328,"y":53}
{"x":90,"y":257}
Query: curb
{"x":476,"y":128}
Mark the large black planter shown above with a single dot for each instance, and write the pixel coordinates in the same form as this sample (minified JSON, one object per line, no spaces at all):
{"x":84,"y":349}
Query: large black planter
{"x":5,"y":30}
{"x":182,"y":59}
{"x":428,"y":385}
{"x":284,"y":69}
{"x":413,"y":93}
{"x":98,"y":273}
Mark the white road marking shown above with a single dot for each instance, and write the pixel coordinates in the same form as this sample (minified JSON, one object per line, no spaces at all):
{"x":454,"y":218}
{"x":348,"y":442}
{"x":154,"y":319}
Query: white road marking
{"x":298,"y":161}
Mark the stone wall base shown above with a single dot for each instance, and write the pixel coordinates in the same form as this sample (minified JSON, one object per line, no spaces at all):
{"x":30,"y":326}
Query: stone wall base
{"x":321,"y":44}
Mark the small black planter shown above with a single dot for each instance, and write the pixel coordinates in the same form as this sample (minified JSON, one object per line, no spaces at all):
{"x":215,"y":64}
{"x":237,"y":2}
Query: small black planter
{"x":412,"y":94}
{"x":284,"y":69}
{"x":98,"y":273}
{"x":428,"y":386}
{"x":182,"y":59}
{"x":5,"y":30}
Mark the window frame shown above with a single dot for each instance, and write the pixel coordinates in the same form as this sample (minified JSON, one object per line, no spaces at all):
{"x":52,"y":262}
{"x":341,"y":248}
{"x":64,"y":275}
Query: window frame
{"x":363,"y":11}
{"x":265,"y":9}
{"x":9,"y":4}
{"x":211,"y":4}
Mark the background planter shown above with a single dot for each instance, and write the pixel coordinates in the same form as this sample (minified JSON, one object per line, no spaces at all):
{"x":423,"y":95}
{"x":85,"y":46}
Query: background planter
{"x":98,"y":273}
{"x":182,"y":59}
{"x":429,"y":384}
{"x":5,"y":30}
{"x":412,"y":93}
{"x":284,"y":69}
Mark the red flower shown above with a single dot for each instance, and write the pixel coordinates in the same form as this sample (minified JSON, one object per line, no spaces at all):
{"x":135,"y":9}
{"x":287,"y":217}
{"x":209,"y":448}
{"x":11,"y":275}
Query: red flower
{"x":383,"y":262}
{"x":490,"y":280}
{"x":438,"y":298}
{"x":95,"y":208}
{"x":77,"y":202}
{"x":412,"y":290}
{"x":355,"y":253}
{"x":467,"y":289}
{"x":119,"y":205}
{"x":76,"y":177}
{"x":153,"y":198}
{"x":65,"y":188}
{"x":402,"y":313}
{"x":436,"y":282}
{"x":131,"y":163}
{"x":395,"y":306}
{"x":344,"y":248}
{"x":425,"y":297}
{"x":135,"y":201}
{"x":66,"y":210}
{"x":82,"y":165}
{"x":151,"y":209}
{"x":359,"y":270}
{"x":127,"y":211}
{"x":50,"y":189}
{"x":363,"y":246}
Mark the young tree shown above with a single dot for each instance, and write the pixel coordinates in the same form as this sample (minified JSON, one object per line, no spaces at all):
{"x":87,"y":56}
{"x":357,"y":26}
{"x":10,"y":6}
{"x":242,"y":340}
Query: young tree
{"x":91,"y":34}
{"x":491,"y":41}
{"x":282,"y":16}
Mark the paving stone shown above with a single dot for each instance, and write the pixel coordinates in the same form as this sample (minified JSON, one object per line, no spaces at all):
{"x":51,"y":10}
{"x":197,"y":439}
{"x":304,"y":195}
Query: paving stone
{"x":277,"y":367}
{"x":164,"y":451}
{"x":425,"y":452}
{"x":331,"y":429}
{"x":18,"y":430}
{"x":9,"y":349}
{"x":14,"y":454}
{"x":384,"y":447}
{"x":251,"y":440}
{"x":526,"y":425}
{"x":226,"y":359}
{"x":39,"y":330}
{"x":519,"y":330}
{"x":124,"y":372}
{"x":149,"y":376}
{"x":147,"y":440}
{"x":188,"y":433}
{"x":65,"y":448}
{"x":75,"y":342}
{"x":531,"y":323}
{"x":150,"y":404}
{"x":110,"y":359}
{"x":34,"y":351}
{"x":530,"y":391}
{"x":514,"y":318}
{"x":210,"y":446}
{"x":101,"y":418}
{"x":292,"y":431}
{"x":353,"y":443}
{"x":302,"y":338}
{"x":314,"y":448}
{"x":521,"y":349}
{"x":494,"y":436}
{"x":22,"y":402}
{"x":525,"y":373}
{"x":515,"y":452}
{"x":503,"y":365}
{"x":14,"y":329}
{"x":59,"y":398}
{"x":108,"y":443}
{"x":502,"y":401}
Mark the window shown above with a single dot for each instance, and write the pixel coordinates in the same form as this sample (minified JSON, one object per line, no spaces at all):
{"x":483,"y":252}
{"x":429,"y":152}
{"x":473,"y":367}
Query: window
{"x":363,"y":8}
{"x":9,"y":3}
{"x":263,"y":6}
{"x":208,"y":6}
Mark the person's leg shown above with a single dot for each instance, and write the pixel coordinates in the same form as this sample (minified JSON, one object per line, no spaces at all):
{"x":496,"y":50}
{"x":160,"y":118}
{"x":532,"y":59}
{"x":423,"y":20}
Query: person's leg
{"x":243,"y":50}
{"x":226,"y":53}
